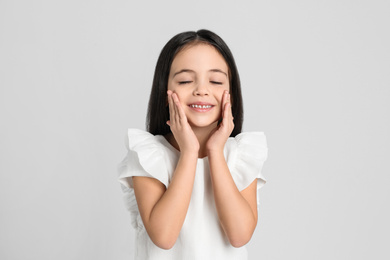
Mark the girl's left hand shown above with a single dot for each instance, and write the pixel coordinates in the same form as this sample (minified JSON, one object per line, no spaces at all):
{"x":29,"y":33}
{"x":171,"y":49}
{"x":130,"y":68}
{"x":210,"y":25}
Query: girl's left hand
{"x":220,"y":135}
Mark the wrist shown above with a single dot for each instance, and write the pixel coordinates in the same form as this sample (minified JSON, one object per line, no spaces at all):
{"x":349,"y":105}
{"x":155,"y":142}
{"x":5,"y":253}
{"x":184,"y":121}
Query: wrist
{"x":213,"y":152}
{"x":190,"y":153}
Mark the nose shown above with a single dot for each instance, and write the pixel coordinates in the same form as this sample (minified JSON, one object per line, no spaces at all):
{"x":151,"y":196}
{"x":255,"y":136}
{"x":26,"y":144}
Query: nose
{"x":201,"y":89}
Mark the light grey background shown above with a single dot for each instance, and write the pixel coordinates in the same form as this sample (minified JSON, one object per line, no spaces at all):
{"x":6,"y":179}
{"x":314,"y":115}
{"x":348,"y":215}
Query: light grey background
{"x":75,"y":75}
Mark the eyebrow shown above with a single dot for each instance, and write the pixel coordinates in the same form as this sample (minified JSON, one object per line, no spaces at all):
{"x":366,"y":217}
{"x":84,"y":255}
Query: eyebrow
{"x":191,"y":71}
{"x":182,"y":71}
{"x":220,"y":71}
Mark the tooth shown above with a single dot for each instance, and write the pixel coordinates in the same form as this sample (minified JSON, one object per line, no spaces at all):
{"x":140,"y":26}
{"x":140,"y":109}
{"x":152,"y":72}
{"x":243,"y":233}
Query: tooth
{"x":201,"y":106}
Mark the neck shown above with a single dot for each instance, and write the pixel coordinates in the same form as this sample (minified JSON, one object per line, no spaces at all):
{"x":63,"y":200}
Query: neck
{"x":203,"y":134}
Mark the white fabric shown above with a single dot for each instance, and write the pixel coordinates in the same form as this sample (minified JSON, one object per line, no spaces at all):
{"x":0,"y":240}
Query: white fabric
{"x":201,"y":236}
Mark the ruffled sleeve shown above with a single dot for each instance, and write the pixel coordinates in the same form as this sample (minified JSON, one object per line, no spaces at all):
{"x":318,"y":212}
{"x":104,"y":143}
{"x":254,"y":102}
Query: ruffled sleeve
{"x":145,"y":157}
{"x":246,"y":154}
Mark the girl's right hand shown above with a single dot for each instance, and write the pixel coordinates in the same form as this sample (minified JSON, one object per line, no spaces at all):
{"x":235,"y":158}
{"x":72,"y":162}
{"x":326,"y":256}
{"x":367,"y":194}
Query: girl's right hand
{"x":181,"y":129}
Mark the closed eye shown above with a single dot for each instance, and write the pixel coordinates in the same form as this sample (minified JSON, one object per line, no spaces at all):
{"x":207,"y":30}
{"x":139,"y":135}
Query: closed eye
{"x":216,"y":82}
{"x":184,"y":82}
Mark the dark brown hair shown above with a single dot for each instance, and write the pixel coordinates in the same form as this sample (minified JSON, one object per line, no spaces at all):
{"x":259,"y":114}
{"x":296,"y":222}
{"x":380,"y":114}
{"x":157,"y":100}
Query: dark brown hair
{"x":158,"y":111}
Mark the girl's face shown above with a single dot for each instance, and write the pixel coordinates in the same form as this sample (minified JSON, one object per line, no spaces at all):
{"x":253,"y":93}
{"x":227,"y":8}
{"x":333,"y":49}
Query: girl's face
{"x":199,"y":76}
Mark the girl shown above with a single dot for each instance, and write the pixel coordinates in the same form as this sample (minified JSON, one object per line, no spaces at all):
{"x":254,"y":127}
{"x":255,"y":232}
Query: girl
{"x":191,"y":181}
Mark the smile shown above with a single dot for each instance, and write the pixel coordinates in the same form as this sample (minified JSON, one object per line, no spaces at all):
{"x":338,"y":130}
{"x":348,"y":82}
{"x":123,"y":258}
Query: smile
{"x":200,"y":106}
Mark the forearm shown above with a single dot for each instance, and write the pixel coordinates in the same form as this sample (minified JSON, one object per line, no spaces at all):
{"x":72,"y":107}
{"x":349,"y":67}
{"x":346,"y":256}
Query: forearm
{"x":167,"y":216}
{"x":236,"y":216}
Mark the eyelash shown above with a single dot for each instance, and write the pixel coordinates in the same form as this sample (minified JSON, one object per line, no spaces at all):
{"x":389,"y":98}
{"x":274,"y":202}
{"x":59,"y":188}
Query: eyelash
{"x":216,"y":82}
{"x":187,"y":82}
{"x":184,"y":82}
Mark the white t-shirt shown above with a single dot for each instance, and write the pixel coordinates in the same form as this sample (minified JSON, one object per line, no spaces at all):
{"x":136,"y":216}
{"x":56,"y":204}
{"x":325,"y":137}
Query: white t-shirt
{"x":201,"y":236}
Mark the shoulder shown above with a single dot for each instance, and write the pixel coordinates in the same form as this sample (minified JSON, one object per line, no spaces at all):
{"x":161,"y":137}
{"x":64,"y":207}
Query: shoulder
{"x":255,"y":142}
{"x":148,"y":155}
{"x":140,"y":140}
{"x":245,"y":155}
{"x":136,"y":137}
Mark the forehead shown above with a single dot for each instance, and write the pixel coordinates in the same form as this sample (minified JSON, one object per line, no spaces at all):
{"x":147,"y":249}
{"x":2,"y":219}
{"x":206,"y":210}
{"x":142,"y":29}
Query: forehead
{"x":198,"y":57}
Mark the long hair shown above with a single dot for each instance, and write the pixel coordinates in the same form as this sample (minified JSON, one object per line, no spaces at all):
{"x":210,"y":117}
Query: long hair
{"x":158,"y":111}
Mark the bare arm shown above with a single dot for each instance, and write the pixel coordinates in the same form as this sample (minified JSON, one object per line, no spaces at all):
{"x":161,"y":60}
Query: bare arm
{"x":162,"y":210}
{"x":237,"y":211}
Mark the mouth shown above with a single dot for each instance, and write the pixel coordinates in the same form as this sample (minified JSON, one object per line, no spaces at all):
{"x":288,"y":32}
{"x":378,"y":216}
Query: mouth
{"x":201,"y":107}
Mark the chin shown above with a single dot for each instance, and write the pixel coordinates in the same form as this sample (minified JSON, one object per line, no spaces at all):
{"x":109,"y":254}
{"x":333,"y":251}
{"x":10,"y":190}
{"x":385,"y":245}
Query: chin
{"x":203,"y":124}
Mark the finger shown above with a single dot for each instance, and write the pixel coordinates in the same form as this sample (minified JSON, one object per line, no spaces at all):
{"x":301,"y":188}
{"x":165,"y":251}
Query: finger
{"x":230,"y":114}
{"x":224,"y":102}
{"x":226,"y":113}
{"x":171,"y":106}
{"x":174,"y":115}
{"x":230,"y":111}
{"x":180,"y":110}
{"x":230,"y":107}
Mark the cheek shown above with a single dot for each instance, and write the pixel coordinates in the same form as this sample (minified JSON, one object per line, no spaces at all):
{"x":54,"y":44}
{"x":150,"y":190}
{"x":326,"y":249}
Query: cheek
{"x":227,"y":87}
{"x":181,"y":95}
{"x":170,"y":87}
{"x":220,"y":93}
{"x":223,"y":88}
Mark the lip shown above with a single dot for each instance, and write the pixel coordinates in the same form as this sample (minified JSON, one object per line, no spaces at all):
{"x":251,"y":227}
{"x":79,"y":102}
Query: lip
{"x":201,"y":106}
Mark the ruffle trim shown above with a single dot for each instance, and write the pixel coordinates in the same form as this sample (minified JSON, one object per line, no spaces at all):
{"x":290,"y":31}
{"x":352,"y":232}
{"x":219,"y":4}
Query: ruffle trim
{"x":146,"y":157}
{"x":246,"y":159}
